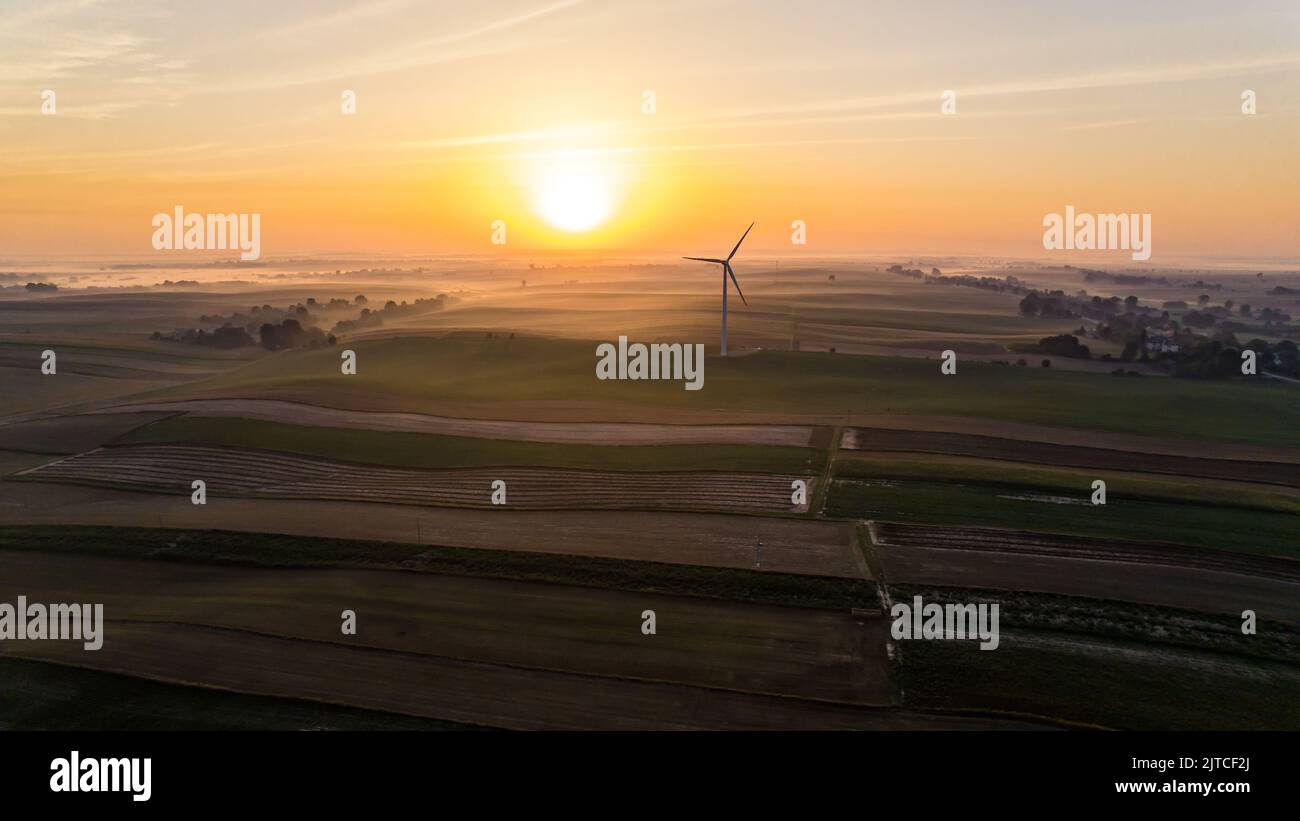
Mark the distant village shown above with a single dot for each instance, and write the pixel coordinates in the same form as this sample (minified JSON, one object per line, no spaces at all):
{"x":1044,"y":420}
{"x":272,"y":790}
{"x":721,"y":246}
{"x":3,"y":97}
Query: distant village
{"x":1200,"y":340}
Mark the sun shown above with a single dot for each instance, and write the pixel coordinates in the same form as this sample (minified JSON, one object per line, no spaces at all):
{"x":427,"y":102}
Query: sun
{"x":574,"y":193}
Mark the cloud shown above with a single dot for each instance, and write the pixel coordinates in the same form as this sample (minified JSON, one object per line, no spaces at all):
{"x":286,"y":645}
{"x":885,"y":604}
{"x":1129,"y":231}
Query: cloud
{"x":395,"y":57}
{"x":1023,"y":86}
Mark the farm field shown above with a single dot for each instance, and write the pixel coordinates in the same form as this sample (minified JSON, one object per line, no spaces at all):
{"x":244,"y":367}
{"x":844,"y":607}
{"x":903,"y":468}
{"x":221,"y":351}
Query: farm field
{"x":275,"y":551}
{"x":542,"y":377}
{"x":66,"y":435}
{"x":1064,"y":481}
{"x":36,"y":697}
{"x":804,"y":652}
{"x":588,"y":433}
{"x":1101,"y":682}
{"x":450,"y":647}
{"x":622,"y":497}
{"x":425,"y":450}
{"x":431,"y":648}
{"x":877,"y":440}
{"x":788,"y":545}
{"x":25,"y":392}
{"x":1106,"y":663}
{"x":866,"y":306}
{"x":473,"y":692}
{"x":89,"y":372}
{"x":1192,"y":523}
{"x":13,"y":461}
{"x":233,"y":472}
{"x":1103,"y":569}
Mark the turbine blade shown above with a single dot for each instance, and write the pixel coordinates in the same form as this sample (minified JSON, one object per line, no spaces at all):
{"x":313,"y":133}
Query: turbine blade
{"x":732,"y":273}
{"x":737,"y":248}
{"x":706,"y":259}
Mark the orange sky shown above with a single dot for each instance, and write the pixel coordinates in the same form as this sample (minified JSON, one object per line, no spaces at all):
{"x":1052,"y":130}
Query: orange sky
{"x":827,"y":113}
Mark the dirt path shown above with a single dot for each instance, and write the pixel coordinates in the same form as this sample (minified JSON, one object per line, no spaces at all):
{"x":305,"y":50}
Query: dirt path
{"x":822,"y":490}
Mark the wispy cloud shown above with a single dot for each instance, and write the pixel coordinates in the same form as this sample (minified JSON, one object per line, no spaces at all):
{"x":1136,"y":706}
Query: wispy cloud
{"x":1025,"y":86}
{"x":544,"y":135}
{"x":399,"y":57}
{"x":89,"y":47}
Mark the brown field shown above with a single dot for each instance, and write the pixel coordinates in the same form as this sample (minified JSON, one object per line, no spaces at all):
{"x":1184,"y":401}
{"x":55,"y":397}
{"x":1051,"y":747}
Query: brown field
{"x":957,"y":444}
{"x":804,"y":652}
{"x":465,"y":691}
{"x":593,"y":433}
{"x":26,"y":391}
{"x":487,"y":652}
{"x":1144,"y":573}
{"x":1082,"y":547}
{"x":790,"y":545}
{"x":239,"y":472}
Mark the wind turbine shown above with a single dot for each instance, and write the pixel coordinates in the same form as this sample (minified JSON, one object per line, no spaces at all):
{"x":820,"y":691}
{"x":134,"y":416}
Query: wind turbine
{"x":727,"y":272}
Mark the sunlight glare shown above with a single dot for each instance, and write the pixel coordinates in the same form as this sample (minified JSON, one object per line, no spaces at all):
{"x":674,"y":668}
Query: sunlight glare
{"x":574,"y":193}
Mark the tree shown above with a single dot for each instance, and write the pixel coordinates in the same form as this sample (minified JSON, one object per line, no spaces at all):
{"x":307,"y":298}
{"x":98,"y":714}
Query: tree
{"x":1063,"y":345}
{"x":228,"y":336}
{"x":288,"y":334}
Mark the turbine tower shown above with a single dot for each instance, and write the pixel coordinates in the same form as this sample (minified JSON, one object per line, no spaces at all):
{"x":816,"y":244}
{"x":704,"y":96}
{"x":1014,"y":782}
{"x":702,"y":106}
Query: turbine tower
{"x":727,"y":272}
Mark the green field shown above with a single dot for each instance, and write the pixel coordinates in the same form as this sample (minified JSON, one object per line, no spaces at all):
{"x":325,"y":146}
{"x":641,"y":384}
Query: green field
{"x":1065,"y":481}
{"x":74,"y":344}
{"x":469,"y":368}
{"x":1123,"y":666}
{"x":1240,"y":529}
{"x":915,"y":316}
{"x":1108,"y":683}
{"x":422,"y":450}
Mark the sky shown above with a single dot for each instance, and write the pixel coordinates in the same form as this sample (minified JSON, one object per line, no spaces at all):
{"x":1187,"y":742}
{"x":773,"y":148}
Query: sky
{"x":536,"y":113}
